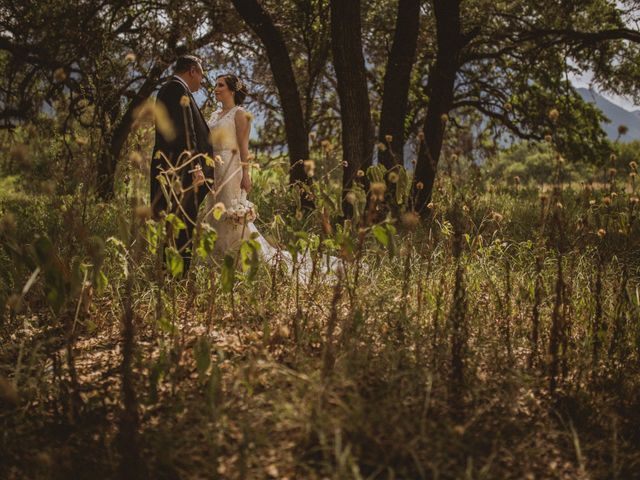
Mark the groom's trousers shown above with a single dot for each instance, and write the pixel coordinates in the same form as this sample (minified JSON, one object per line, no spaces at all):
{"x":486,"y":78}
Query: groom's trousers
{"x":187,"y":211}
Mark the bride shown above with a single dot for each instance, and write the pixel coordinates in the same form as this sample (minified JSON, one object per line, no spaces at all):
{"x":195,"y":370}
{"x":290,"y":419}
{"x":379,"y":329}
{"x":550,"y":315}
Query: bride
{"x":230,"y":127}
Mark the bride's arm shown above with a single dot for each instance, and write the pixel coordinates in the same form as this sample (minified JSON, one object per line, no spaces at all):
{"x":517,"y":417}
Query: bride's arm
{"x":243,"y":127}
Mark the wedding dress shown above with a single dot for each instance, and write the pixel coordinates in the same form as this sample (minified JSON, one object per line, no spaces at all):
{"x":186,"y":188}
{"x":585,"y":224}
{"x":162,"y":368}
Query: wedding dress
{"x":226,"y":189}
{"x":227,"y":176}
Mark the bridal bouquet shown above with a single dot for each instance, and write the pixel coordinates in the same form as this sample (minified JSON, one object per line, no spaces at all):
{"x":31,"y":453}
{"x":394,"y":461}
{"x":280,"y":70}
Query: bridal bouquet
{"x":241,"y":210}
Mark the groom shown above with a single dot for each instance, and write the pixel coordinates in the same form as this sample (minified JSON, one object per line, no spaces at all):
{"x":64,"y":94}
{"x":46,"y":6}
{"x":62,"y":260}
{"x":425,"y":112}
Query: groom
{"x":191,"y":135}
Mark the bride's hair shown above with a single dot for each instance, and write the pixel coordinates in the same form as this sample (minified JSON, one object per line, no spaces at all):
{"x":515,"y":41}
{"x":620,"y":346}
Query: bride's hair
{"x":238,"y":88}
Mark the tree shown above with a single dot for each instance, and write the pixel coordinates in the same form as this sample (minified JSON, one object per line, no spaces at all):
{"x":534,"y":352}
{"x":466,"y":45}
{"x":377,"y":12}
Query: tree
{"x":296,"y":126}
{"x":450,"y":42}
{"x":510,"y":62}
{"x":505,"y":61}
{"x":101,"y":72}
{"x":397,"y":80}
{"x":355,"y":112}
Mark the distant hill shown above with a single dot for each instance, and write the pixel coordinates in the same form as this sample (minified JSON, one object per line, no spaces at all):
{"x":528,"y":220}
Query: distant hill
{"x":617,"y":115}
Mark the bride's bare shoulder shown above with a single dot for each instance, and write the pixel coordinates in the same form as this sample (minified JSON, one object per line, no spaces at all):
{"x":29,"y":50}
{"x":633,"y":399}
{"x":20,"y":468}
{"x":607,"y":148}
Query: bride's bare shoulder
{"x":242,"y":114}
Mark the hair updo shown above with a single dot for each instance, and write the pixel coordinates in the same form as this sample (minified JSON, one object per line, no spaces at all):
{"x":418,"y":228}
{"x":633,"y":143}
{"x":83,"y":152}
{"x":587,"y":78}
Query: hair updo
{"x":236,"y":85}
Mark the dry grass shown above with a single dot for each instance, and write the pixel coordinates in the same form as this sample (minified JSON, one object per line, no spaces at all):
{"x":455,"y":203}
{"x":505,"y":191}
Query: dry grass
{"x":398,"y":374}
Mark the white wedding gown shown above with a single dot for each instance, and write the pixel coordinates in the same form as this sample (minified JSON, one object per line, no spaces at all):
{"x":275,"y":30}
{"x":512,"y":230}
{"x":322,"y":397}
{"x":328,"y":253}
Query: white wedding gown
{"x":226,"y":186}
{"x":226,"y":182}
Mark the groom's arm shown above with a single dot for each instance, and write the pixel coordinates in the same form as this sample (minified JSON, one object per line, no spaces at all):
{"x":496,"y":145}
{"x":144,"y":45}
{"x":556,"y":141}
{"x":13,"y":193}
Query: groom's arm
{"x":191,"y":140}
{"x":177,"y":102}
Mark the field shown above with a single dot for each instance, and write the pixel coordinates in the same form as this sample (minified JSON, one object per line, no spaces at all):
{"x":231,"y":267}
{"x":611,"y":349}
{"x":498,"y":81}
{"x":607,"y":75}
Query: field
{"x":497,"y":338}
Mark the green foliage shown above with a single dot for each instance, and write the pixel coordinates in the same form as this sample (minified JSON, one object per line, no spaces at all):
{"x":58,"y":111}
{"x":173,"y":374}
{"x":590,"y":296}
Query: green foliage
{"x":534,"y":164}
{"x":202,"y":353}
{"x":207,"y":241}
{"x":228,"y":275}
{"x":496,"y":338}
{"x":250,"y":258}
{"x":174,"y":261}
{"x":576,"y":131}
{"x":253,"y":363}
{"x":385,"y":235}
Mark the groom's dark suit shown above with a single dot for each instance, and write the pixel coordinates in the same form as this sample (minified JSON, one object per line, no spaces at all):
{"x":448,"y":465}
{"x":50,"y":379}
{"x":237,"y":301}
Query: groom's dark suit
{"x":192,"y":134}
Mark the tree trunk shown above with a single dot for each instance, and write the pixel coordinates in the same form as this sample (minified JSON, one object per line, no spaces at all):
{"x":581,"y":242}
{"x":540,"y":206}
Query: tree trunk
{"x":397,"y":80}
{"x":294,"y":123}
{"x":109,"y":159}
{"x":355,"y":111}
{"x":450,"y":42}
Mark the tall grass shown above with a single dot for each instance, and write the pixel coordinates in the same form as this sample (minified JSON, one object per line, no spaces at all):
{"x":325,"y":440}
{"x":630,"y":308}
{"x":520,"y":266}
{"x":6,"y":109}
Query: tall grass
{"x":498,"y":339}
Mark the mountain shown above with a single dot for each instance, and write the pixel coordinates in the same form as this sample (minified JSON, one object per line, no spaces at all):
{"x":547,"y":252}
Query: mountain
{"x":617,"y":115}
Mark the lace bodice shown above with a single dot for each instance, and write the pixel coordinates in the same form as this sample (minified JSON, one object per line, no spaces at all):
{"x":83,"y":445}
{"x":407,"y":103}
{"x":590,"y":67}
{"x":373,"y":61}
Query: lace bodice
{"x":223,"y":129}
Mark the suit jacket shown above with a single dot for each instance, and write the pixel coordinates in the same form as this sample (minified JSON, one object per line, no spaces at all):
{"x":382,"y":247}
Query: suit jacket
{"x":191,"y":133}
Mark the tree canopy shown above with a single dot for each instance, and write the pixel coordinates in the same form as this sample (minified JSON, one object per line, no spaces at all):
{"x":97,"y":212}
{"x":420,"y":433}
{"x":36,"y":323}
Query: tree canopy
{"x":431,"y":73}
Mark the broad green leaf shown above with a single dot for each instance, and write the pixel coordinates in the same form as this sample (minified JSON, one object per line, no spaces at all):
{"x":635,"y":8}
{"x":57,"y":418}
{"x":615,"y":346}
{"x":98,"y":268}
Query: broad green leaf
{"x":218,"y":210}
{"x":176,"y":224}
{"x":174,"y":261}
{"x":402,"y":186}
{"x":101,"y":281}
{"x":330,"y":244}
{"x":327,"y":200}
{"x":385,"y":235}
{"x":249,"y":255}
{"x":377,"y":172}
{"x":314,"y":242}
{"x":152,"y":235}
{"x":381,"y":234}
{"x":165,"y":325}
{"x":207,"y":241}
{"x":228,"y":275}
{"x":202,"y":354}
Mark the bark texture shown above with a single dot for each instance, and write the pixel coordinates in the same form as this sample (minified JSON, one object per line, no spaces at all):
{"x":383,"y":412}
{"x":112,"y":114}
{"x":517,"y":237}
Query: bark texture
{"x":108,"y":162}
{"x":295,"y":126}
{"x":397,"y":80}
{"x":353,"y":93}
{"x":440,"y":88}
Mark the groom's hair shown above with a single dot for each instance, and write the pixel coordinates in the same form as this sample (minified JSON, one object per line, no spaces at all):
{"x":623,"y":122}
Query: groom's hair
{"x":185,"y":62}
